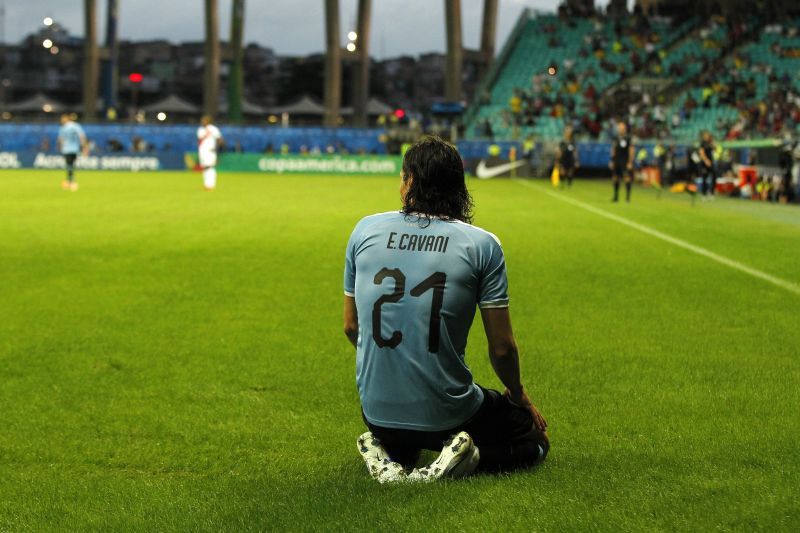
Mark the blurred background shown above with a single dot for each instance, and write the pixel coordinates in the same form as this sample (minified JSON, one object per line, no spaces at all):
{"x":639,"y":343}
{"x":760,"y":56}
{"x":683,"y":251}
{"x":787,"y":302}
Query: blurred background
{"x":500,"y":77}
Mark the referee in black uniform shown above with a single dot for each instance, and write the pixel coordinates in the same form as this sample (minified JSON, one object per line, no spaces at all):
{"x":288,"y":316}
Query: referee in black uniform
{"x":709,"y":173}
{"x":568,"y":156}
{"x":621,"y":163}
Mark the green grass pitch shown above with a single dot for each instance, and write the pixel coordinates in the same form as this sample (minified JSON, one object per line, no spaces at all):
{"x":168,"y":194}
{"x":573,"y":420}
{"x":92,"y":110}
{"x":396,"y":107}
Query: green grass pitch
{"x":173,"y":360}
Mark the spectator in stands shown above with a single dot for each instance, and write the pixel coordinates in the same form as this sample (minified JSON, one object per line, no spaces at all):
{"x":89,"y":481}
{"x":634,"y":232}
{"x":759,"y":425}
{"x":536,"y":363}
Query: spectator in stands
{"x":114,"y":145}
{"x":515,"y":103}
{"x":488,"y":132}
{"x":138,"y":145}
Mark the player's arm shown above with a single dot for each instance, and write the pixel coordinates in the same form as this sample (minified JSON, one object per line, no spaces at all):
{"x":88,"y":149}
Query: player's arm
{"x":613,"y":156}
{"x":504,"y":356}
{"x":631,"y":156}
{"x":84,"y":145}
{"x":577,"y":156}
{"x":350,"y":319}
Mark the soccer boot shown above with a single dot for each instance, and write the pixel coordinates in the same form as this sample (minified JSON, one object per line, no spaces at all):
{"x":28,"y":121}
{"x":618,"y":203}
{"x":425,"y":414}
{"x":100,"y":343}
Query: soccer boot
{"x":459,"y":458}
{"x":379,"y":464}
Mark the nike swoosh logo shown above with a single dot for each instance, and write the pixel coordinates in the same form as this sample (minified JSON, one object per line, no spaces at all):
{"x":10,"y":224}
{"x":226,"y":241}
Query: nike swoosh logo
{"x":483,"y":172}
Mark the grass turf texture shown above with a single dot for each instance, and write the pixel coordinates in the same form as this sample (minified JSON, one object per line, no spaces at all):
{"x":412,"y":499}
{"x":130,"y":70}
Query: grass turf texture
{"x":173,"y":360}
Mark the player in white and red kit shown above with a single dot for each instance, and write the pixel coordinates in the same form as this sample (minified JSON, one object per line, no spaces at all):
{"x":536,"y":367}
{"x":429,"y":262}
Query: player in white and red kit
{"x":209,"y":138}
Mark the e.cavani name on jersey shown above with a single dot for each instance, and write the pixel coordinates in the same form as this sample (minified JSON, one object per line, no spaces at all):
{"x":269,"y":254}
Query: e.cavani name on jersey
{"x":417,"y":287}
{"x":417,"y":243}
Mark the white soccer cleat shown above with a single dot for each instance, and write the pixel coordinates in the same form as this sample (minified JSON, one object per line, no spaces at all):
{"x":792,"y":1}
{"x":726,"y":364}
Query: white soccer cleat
{"x":379,"y":464}
{"x":459,"y":458}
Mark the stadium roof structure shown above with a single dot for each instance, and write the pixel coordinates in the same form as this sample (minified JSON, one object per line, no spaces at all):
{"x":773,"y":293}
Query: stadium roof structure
{"x":305,"y":105}
{"x":374,"y":107}
{"x":172,"y":104}
{"x":37,"y":103}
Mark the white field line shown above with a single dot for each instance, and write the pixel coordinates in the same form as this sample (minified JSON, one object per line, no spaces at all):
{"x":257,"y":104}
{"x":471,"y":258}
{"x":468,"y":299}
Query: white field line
{"x":782,"y":283}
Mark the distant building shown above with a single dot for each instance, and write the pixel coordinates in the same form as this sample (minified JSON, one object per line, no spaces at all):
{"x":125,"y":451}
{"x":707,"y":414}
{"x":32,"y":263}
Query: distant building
{"x":169,"y":68}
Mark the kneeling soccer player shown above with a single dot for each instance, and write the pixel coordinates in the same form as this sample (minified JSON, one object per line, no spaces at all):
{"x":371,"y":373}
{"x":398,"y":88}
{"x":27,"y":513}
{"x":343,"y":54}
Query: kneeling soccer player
{"x":412,"y":281}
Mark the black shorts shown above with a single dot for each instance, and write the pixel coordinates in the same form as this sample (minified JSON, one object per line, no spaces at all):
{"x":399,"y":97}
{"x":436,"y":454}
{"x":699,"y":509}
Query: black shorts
{"x":70,"y":159}
{"x":567,"y":164}
{"x":620,"y":169}
{"x":498,"y":423}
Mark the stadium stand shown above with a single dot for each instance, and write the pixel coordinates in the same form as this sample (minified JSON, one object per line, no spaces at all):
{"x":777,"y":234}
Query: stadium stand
{"x":587,"y":57}
{"x":688,"y":59}
{"x":737,"y":79}
{"x":753,"y":93}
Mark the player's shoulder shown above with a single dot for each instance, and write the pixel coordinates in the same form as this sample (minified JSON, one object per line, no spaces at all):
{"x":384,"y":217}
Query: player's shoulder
{"x":377,"y":218}
{"x":368,"y":223}
{"x":477,"y":233}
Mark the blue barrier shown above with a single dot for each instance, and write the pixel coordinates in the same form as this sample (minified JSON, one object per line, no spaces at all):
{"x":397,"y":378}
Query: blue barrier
{"x":127,"y":162}
{"x":183,"y":138}
{"x":165,"y":139}
{"x":591,"y":154}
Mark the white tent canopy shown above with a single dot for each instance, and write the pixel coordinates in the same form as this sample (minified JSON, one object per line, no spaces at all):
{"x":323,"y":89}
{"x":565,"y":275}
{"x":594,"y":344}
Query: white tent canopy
{"x":38,"y":103}
{"x":303,"y":106}
{"x":172,"y":104}
{"x":248,"y":108}
{"x":374,"y":108}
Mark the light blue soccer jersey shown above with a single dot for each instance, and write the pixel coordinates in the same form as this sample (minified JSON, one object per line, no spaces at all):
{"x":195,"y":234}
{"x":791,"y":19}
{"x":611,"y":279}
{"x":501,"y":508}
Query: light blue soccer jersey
{"x":416,"y":289}
{"x":70,"y":136}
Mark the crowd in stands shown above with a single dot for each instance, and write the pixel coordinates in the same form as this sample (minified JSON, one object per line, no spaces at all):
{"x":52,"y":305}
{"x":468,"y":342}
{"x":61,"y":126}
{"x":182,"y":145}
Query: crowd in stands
{"x":736,"y":77}
{"x":756,"y":91}
{"x":586,"y":56}
{"x":693,"y":56}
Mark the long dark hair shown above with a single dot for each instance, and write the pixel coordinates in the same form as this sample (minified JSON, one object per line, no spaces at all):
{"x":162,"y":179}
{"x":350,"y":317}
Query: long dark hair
{"x":438,"y":188}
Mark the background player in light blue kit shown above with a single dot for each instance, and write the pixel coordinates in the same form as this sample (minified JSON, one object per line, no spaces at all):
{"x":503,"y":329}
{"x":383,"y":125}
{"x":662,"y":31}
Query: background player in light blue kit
{"x":71,"y":142}
{"x":412,"y":281}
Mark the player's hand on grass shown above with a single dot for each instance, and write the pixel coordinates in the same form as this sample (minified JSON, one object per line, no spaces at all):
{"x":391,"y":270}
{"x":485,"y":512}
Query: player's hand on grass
{"x":521,"y":399}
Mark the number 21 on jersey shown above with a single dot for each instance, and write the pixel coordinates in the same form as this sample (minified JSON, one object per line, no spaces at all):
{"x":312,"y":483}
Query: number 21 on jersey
{"x":435,"y":282}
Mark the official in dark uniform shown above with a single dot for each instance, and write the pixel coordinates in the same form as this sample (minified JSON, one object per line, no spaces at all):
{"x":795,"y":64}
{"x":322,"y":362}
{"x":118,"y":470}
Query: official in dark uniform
{"x":621,"y":163}
{"x":568,"y":156}
{"x":786,"y":162}
{"x":707,"y":170}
